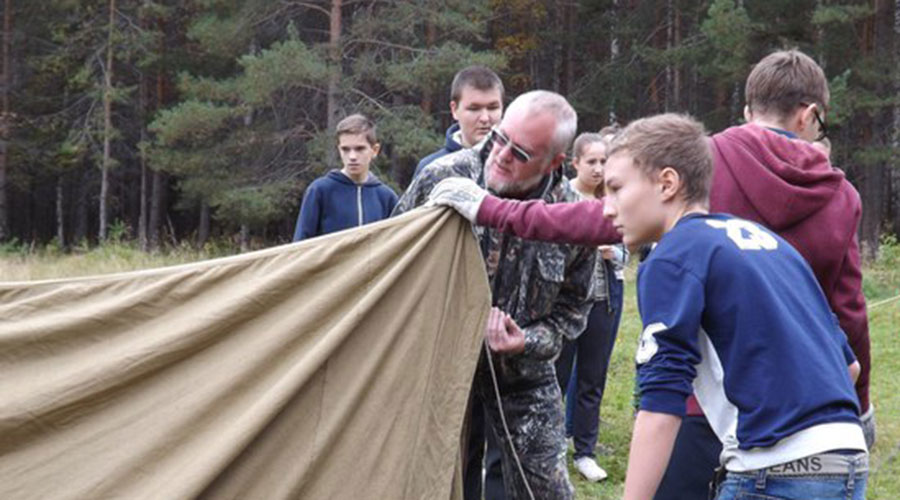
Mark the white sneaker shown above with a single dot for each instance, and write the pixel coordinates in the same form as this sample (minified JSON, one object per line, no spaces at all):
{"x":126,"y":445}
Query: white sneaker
{"x":590,"y":470}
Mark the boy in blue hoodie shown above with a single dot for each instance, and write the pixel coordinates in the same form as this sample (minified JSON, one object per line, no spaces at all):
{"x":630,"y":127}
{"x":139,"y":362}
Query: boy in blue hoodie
{"x":476,"y":103}
{"x":349,"y":197}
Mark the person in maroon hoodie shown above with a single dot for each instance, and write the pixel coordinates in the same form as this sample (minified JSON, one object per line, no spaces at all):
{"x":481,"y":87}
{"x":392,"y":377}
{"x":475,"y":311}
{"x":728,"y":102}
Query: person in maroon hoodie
{"x":768,"y":171}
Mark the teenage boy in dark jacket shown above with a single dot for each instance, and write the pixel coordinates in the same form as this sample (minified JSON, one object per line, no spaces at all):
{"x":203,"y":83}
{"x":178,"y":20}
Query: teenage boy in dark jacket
{"x":349,"y":197}
{"x":476,"y":103}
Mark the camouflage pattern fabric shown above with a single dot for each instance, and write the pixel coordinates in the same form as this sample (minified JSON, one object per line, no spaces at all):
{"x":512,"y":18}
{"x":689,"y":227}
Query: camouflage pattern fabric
{"x":537,"y":427}
{"x":547,"y":289}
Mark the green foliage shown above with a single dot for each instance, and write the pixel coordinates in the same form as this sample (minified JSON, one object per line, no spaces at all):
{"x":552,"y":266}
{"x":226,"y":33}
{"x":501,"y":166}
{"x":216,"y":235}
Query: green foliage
{"x":253,"y":204}
{"x":729,"y":30}
{"x":216,"y":35}
{"x":875,"y":155}
{"x":434,"y":68}
{"x":831,"y":14}
{"x":118,"y":231}
{"x":12,"y":247}
{"x":883,"y":277}
{"x":230,"y":97}
{"x":277,"y":69}
{"x":191,"y":122}
{"x":841,"y":107}
{"x":202,"y":88}
{"x":404,"y":126}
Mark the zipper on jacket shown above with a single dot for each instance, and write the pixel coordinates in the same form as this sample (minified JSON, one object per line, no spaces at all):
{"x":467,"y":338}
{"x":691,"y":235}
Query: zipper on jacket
{"x":359,"y":204}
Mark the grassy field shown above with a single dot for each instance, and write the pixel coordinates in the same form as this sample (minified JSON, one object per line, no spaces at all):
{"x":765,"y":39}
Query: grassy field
{"x":21,"y":264}
{"x":882,"y":281}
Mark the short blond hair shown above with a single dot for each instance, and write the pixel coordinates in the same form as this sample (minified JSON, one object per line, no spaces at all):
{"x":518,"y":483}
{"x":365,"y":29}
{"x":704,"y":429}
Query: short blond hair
{"x":784,"y":80}
{"x":357,"y":124}
{"x":670,"y":140}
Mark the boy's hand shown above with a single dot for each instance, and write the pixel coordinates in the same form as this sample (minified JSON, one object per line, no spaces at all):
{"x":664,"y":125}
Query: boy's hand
{"x":823,"y":145}
{"x":607,"y":252}
{"x":854,"y":369}
{"x":460,"y":193}
{"x":503,"y":334}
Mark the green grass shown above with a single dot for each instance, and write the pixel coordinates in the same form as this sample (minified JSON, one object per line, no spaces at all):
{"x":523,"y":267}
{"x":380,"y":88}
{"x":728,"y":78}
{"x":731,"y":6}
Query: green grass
{"x":19,"y":263}
{"x":881,"y":281}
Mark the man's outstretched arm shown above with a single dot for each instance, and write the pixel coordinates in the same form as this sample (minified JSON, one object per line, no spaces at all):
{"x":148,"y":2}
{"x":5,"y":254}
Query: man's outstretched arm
{"x":579,"y":223}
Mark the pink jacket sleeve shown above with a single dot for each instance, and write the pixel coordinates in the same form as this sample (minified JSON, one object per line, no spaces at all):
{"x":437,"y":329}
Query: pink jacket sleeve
{"x":578,"y":223}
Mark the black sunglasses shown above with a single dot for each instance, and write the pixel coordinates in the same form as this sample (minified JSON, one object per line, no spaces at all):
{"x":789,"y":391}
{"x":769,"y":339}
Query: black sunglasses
{"x":499,"y":138}
{"x":823,"y":130}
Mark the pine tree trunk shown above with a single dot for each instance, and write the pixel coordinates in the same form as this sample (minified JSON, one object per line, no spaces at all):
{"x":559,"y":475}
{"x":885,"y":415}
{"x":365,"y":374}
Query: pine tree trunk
{"x":143,"y":105}
{"x":156,"y":208}
{"x":735,"y":108}
{"x":159,"y":183}
{"x":245,"y":238}
{"x":5,"y":118}
{"x":570,"y":12}
{"x":873,"y":181}
{"x":613,"y":55}
{"x":670,"y":45}
{"x":203,"y":228}
{"x":895,"y":136}
{"x":60,"y":212}
{"x":82,"y":221}
{"x":555,"y":50}
{"x":142,"y":213}
{"x":107,"y":123}
{"x":428,"y":93}
{"x":820,"y":39}
{"x":334,"y":77}
{"x":676,"y":76}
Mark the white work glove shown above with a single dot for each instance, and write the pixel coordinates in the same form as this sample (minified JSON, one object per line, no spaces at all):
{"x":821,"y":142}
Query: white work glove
{"x":460,"y":193}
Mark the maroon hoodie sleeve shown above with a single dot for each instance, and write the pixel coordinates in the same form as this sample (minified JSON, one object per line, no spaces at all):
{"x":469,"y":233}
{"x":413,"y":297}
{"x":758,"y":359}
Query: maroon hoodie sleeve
{"x":578,"y":223}
{"x":849,"y":305}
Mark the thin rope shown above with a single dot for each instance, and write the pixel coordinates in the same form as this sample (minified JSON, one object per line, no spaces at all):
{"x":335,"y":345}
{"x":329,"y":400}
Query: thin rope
{"x":512,"y":445}
{"x":882,"y":302}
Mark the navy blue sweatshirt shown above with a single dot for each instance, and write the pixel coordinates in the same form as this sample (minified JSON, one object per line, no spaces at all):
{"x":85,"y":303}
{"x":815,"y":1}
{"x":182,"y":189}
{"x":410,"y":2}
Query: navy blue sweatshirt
{"x":450,"y":146}
{"x":732,"y":312}
{"x":334,"y":203}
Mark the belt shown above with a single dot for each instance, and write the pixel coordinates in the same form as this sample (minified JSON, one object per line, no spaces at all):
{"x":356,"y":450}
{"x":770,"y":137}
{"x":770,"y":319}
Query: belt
{"x":821,"y":464}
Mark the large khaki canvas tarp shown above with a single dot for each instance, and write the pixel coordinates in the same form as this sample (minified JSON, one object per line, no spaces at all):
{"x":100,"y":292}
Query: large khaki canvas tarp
{"x":336,"y":368}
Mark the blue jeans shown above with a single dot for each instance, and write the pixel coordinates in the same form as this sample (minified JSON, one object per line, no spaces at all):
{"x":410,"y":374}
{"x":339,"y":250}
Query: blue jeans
{"x":590,"y":353}
{"x":758,"y":486}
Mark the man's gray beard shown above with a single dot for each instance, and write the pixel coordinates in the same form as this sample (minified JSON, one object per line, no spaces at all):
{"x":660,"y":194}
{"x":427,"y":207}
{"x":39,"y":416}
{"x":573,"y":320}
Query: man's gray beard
{"x":511,"y":189}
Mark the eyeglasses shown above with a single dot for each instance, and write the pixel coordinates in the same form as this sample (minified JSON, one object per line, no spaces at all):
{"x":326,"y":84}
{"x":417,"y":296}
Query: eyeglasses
{"x":499,"y":138}
{"x":823,"y":130}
